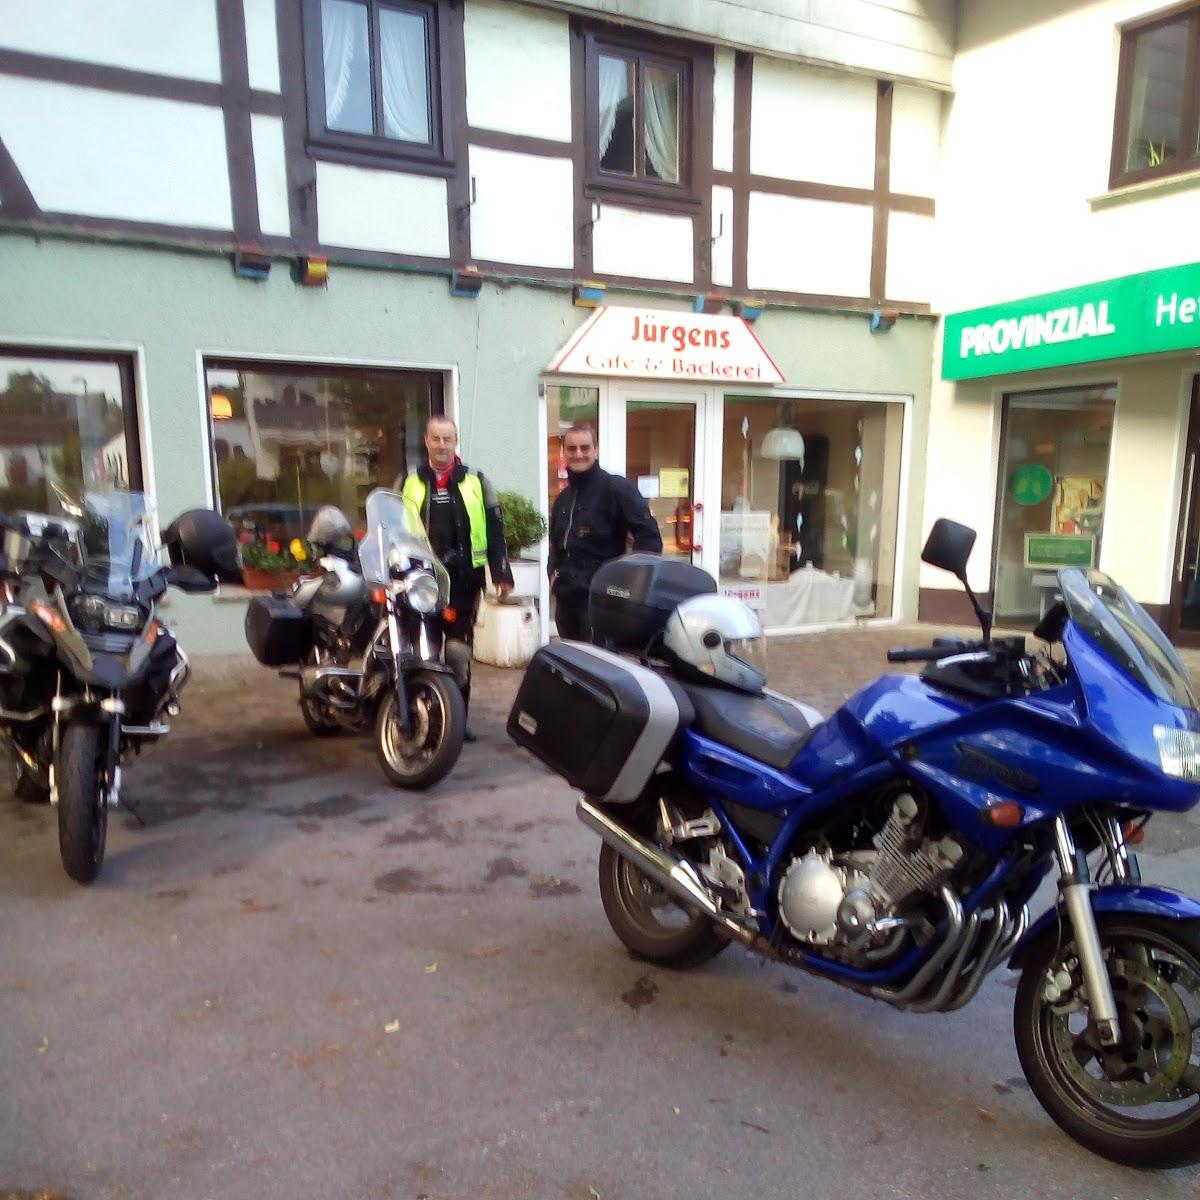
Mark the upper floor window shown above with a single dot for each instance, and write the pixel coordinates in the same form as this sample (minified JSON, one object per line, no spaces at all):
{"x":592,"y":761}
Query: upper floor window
{"x":374,"y":84}
{"x":1158,"y":99}
{"x":639,"y":119}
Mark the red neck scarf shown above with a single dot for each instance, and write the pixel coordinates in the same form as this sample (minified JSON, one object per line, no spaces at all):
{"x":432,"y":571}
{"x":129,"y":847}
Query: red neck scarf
{"x":442,"y":478}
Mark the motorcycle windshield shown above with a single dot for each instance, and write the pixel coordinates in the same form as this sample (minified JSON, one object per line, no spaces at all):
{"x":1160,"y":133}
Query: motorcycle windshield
{"x":396,"y":541}
{"x":114,"y":540}
{"x":1127,"y":634}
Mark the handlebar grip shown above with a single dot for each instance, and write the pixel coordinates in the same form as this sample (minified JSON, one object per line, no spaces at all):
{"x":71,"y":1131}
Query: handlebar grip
{"x":918,"y":654}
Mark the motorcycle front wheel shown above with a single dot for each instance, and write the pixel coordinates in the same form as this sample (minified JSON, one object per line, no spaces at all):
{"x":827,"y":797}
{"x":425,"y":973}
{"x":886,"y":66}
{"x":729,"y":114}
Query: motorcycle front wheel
{"x":82,"y":805}
{"x":421,"y":757}
{"x":1137,"y":1103}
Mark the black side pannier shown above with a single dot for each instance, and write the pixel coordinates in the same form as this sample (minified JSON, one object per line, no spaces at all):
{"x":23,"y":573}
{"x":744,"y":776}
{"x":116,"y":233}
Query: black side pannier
{"x":601,"y":722}
{"x":279,"y":633}
{"x":632,"y":597}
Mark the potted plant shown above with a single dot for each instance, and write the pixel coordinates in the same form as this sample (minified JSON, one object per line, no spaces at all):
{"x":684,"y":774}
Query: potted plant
{"x":268,"y":564}
{"x":524,"y":528}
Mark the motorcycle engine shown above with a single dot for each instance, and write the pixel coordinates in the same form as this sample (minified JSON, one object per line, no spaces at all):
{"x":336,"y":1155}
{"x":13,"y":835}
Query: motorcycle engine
{"x":829,"y":899}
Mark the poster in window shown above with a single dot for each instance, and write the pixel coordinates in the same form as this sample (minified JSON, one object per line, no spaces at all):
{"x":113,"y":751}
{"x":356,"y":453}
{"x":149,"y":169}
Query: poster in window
{"x":1078,"y":506}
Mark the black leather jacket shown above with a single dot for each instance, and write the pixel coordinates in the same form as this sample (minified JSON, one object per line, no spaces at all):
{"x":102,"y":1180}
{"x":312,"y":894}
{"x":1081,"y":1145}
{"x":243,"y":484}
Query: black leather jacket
{"x":590,"y":523}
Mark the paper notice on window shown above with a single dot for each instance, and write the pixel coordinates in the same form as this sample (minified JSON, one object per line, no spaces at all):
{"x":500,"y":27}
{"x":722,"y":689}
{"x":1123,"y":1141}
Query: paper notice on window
{"x":673,"y":483}
{"x":648,"y":486}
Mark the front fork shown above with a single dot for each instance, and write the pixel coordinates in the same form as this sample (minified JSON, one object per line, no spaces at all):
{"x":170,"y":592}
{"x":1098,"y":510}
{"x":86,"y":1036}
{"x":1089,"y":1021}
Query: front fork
{"x":1075,"y":887}
{"x":403,"y":716}
{"x":111,"y":709}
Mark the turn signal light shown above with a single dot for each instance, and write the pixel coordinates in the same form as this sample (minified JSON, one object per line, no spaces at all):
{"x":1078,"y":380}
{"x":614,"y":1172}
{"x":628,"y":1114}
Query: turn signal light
{"x":1005,"y":815}
{"x":49,"y":616}
{"x":1135,"y":833}
{"x":449,"y":614}
{"x":379,"y":595}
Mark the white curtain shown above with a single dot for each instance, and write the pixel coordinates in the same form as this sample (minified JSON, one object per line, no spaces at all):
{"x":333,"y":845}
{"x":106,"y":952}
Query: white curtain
{"x":662,"y":122}
{"x":405,"y":88}
{"x":343,"y":38}
{"x":614,"y":87}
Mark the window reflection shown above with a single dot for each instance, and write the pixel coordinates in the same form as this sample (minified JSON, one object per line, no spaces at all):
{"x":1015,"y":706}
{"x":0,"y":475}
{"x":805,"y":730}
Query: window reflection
{"x":286,"y":441}
{"x":809,"y":507}
{"x":65,"y":421}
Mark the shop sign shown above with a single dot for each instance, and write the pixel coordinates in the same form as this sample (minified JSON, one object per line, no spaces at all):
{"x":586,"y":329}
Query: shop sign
{"x":1059,"y":550}
{"x":1151,"y":313}
{"x":1030,"y":483}
{"x":639,"y":343}
{"x":751,"y":596}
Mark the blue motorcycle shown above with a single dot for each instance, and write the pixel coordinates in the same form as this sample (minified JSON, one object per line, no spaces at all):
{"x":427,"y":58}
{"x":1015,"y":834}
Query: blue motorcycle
{"x":894,"y":847}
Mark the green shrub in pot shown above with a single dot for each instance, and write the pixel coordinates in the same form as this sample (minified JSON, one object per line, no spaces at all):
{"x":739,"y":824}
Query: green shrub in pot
{"x":524,"y":526}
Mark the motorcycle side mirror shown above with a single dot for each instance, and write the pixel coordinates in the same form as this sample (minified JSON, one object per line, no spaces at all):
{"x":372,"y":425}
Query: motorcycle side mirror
{"x":189,"y":579}
{"x":949,"y":547}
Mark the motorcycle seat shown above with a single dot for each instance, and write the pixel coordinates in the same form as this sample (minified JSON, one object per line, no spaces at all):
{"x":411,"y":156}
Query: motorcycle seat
{"x":768,"y":727}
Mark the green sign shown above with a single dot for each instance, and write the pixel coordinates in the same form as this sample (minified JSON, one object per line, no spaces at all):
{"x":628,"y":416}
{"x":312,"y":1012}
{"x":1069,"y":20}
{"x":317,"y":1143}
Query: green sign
{"x":1030,"y":483}
{"x":1151,"y":313}
{"x":1059,"y":550}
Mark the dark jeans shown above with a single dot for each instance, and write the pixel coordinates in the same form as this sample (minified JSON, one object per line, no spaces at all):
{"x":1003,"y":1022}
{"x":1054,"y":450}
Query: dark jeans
{"x":465,"y":592}
{"x":571,"y":617}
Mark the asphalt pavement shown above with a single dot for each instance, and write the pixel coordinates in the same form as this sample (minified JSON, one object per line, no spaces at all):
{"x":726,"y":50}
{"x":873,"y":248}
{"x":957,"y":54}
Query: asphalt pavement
{"x":293,"y":980}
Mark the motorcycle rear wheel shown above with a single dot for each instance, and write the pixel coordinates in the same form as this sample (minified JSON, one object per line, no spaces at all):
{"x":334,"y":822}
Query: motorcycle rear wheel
{"x":316,"y":715}
{"x":82,"y":805}
{"x":439,"y":722}
{"x":649,"y":921}
{"x":26,"y":785}
{"x":1137,"y":1103}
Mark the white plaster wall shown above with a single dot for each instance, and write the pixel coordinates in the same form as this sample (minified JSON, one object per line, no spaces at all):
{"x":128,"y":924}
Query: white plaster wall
{"x":103,"y":154}
{"x":270,"y":175}
{"x":524,"y":208}
{"x":1142,"y":492}
{"x":364,"y":209}
{"x":916,"y":140}
{"x":911,"y":250}
{"x":723,"y":77}
{"x":644,"y":245}
{"x":518,"y":69}
{"x":812,"y":124}
{"x":809,"y":246}
{"x":909,"y":39}
{"x":1018,"y":175}
{"x":722,"y":248}
{"x":262,"y":44}
{"x":168,"y":37}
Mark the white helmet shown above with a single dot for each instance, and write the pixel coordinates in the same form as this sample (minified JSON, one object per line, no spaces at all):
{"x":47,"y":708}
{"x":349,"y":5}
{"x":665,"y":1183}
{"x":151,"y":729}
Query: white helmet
{"x":329,"y":526}
{"x":718,"y":638}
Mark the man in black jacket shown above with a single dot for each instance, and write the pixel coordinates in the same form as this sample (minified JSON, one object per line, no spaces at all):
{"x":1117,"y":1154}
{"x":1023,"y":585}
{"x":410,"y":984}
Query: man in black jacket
{"x":591,"y":522}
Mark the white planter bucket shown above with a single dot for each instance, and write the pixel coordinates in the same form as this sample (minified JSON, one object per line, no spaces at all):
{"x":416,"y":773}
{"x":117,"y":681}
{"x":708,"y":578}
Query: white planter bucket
{"x":506,"y":635}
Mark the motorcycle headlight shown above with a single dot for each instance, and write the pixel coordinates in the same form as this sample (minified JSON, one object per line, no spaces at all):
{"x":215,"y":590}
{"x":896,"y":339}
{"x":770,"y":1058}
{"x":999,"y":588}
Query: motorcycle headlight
{"x":1179,"y":752}
{"x":93,"y":613}
{"x":421,"y":592}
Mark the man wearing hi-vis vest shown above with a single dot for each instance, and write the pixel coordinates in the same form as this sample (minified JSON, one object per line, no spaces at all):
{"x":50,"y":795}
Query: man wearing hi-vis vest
{"x":462,"y":517}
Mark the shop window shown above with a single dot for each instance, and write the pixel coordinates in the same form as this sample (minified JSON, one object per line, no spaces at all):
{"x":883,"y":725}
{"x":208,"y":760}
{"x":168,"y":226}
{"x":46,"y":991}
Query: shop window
{"x":374,"y":85}
{"x":564,"y":407}
{"x":67,"y":420}
{"x":1053,"y":474}
{"x":639,"y":119}
{"x":810,"y":500}
{"x":1157,"y":127}
{"x":287,"y":440}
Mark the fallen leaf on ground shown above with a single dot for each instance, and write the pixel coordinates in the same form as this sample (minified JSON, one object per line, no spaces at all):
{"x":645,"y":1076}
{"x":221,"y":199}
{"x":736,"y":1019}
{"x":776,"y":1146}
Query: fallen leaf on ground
{"x":986,"y":1114}
{"x":429,"y":970}
{"x":44,"y":1046}
{"x":392,"y":1027}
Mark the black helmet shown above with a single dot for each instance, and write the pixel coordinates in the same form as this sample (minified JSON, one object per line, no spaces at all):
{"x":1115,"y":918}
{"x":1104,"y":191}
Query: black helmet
{"x":203,"y":539}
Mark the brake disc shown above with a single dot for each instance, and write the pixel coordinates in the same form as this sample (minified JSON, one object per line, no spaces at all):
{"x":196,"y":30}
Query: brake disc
{"x":1152,"y":1017}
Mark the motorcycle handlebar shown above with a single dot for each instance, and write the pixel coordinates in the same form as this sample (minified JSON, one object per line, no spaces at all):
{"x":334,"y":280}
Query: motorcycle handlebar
{"x":918,"y":654}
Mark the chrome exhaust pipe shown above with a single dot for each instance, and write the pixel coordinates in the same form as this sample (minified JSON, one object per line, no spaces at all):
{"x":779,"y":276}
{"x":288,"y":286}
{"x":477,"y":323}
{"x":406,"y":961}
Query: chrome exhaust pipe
{"x":665,"y":869}
{"x":904,"y":996}
{"x":317,"y":679}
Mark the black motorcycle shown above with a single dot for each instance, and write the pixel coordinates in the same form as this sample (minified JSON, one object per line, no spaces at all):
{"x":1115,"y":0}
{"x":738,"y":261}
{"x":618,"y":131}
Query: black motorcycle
{"x":88,"y":674}
{"x":365,"y":638}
